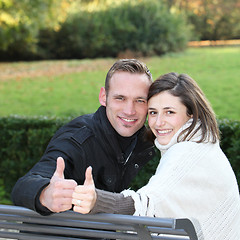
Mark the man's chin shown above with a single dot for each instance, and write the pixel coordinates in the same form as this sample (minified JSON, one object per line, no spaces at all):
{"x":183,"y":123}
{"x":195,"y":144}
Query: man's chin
{"x":127,"y":132}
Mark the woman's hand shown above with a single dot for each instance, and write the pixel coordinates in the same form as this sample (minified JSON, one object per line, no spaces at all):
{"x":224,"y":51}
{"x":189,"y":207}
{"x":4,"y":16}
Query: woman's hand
{"x":84,"y":197}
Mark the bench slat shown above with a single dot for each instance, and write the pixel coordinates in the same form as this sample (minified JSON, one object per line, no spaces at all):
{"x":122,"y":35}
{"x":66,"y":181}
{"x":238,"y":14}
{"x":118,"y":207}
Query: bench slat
{"x":21,"y":223}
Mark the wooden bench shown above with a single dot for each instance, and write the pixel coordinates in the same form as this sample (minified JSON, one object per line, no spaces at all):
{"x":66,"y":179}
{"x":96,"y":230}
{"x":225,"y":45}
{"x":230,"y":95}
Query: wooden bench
{"x":22,"y":223}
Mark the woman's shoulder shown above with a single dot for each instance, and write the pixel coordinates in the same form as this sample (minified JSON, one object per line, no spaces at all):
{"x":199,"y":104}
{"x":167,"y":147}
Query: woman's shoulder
{"x":188,"y":149}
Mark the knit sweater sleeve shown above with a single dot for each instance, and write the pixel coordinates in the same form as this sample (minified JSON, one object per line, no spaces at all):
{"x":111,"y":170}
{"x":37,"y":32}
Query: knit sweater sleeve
{"x":109,"y":202}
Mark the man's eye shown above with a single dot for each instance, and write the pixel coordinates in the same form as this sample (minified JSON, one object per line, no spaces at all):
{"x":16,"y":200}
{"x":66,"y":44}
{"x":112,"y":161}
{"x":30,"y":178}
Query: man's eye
{"x":141,"y":101}
{"x":119,"y":98}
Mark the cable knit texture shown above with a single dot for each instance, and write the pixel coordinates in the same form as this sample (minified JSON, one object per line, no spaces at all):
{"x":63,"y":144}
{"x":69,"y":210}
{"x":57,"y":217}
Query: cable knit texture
{"x":193,"y":180}
{"x":109,"y":202}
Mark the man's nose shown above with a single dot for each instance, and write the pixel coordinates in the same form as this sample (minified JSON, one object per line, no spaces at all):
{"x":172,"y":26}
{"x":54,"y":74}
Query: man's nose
{"x":129,"y":108}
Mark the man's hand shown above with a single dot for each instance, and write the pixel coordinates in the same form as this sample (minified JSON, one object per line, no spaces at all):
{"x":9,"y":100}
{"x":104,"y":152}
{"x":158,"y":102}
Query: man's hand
{"x":84,"y":197}
{"x":57,"y":196}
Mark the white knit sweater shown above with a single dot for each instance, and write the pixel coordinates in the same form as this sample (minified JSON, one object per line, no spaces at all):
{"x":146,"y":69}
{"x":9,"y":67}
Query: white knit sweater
{"x":195,"y":181}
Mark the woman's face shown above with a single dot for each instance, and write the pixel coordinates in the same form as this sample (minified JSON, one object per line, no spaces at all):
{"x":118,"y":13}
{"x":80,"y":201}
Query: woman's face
{"x":166,"y":115}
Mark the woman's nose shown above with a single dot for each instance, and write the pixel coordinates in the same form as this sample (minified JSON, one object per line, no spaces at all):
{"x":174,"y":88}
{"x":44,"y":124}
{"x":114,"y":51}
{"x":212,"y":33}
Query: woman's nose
{"x":160,"y":120}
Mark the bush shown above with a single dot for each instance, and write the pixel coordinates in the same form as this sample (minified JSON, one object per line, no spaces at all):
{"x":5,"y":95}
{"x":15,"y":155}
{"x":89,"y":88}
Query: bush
{"x":19,"y":43}
{"x":143,"y":28}
{"x":146,"y":28}
{"x":23,"y":141}
{"x":216,"y":20}
{"x":230,"y":143}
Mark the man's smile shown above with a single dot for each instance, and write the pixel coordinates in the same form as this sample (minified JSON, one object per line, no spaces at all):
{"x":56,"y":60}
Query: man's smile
{"x":128,"y":119}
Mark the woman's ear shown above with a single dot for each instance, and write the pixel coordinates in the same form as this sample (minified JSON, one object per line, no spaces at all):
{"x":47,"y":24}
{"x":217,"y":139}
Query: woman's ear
{"x":102,"y":96}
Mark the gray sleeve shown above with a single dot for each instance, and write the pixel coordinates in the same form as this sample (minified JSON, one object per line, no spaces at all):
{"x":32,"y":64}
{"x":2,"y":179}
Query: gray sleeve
{"x":109,"y":202}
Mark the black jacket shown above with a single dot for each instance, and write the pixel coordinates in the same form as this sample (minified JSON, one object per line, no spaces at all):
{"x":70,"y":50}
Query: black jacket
{"x":88,"y":140}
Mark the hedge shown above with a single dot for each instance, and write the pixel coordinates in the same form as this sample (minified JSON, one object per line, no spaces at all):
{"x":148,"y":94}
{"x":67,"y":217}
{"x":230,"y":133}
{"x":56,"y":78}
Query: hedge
{"x":23,"y":141}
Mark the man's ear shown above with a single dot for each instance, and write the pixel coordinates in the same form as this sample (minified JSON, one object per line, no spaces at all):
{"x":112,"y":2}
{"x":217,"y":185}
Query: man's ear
{"x":102,"y":96}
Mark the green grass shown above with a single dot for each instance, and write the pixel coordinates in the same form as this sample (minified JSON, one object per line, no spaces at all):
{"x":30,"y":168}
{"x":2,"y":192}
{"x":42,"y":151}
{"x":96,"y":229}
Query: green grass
{"x":53,"y":92}
{"x":61,"y":95}
{"x":216,"y":70}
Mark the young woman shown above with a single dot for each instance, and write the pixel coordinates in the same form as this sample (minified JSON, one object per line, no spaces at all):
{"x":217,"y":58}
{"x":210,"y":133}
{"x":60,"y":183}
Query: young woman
{"x":193,"y":179}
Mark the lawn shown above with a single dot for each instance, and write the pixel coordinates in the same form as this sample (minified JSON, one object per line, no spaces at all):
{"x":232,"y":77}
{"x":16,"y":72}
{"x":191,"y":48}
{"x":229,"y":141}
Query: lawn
{"x":70,"y":88}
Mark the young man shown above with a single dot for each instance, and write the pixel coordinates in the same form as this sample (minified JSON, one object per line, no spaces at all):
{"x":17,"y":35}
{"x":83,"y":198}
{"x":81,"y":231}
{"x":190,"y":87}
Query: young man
{"x":111,"y":141}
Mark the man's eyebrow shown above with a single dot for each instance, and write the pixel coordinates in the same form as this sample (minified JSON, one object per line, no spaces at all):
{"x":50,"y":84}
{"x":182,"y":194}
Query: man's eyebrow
{"x":118,"y":95}
{"x":145,"y":98}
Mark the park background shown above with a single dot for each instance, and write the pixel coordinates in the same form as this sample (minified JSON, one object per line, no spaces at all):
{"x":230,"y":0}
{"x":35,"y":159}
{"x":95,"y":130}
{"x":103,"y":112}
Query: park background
{"x":55,"y":55}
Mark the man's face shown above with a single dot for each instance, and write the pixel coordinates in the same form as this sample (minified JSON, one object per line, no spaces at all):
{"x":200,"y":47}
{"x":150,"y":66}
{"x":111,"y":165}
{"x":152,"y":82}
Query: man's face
{"x":126,"y":101}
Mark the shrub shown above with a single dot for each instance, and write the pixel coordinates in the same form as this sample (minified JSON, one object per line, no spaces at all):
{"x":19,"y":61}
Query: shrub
{"x":145,"y":28}
{"x":230,"y":143}
{"x":19,"y":43}
{"x":23,"y":141}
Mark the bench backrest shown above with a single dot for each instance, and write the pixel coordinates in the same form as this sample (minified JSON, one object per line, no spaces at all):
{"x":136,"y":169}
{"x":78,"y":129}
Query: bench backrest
{"x":21,"y":223}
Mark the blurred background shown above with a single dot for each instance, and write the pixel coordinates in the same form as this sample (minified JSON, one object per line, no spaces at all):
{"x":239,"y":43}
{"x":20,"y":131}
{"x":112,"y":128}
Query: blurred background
{"x":77,"y":29}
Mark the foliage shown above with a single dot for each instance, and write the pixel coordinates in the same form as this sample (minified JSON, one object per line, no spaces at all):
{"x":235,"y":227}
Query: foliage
{"x":95,"y":5}
{"x":29,"y":30}
{"x":23,"y":141}
{"x":145,"y":28}
{"x":20,"y":22}
{"x":211,"y":20}
{"x":231,"y":143}
{"x":97,"y":30}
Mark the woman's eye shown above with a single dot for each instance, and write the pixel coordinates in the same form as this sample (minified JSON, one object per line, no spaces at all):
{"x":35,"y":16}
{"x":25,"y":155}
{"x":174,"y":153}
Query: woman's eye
{"x":170,"y":112}
{"x":151,"y":113}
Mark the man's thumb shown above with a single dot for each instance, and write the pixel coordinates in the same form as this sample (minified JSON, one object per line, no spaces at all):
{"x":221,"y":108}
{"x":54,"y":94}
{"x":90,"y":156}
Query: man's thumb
{"x":88,"y":177}
{"x":59,"y":172}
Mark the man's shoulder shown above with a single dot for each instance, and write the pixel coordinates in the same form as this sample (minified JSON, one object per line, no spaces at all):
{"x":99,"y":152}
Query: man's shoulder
{"x":79,"y":129}
{"x":88,"y":120}
{"x":82,"y":134}
{"x":82,"y":127}
{"x":79,"y":121}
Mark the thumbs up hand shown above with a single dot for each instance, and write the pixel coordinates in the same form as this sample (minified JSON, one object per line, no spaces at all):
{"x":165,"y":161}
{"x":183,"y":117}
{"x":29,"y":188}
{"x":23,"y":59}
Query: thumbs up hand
{"x":88,"y":177}
{"x":57,"y":196}
{"x":84,"y":197}
{"x":59,"y":172}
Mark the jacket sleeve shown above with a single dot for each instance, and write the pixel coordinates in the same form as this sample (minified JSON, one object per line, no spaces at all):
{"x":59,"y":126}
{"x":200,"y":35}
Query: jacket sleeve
{"x":27,"y":189}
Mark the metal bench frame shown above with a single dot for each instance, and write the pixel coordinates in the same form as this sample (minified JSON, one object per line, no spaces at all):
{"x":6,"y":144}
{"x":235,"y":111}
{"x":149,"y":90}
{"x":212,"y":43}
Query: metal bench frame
{"x":22,"y":223}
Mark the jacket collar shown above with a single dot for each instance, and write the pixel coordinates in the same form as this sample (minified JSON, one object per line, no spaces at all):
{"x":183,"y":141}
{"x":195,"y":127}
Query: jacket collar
{"x":110,"y":136}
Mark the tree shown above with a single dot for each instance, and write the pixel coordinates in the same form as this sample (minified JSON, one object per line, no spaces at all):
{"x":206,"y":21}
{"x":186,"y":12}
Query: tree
{"x":20,"y":21}
{"x":212,"y":19}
